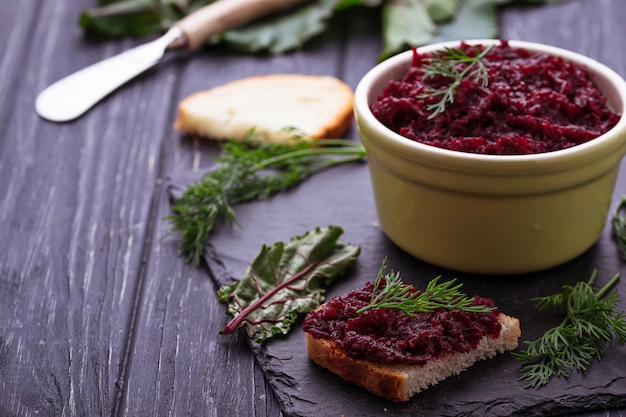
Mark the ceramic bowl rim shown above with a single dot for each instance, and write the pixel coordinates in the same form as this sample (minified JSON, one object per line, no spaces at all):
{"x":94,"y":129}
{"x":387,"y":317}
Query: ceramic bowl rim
{"x":363,"y":97}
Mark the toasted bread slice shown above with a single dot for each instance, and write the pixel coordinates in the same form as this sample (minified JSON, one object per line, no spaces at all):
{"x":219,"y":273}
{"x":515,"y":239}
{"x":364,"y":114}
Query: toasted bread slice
{"x":271,"y":105}
{"x":398,"y":382}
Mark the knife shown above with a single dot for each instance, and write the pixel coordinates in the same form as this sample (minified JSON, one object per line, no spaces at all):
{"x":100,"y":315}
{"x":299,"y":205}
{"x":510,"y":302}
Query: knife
{"x":72,"y":96}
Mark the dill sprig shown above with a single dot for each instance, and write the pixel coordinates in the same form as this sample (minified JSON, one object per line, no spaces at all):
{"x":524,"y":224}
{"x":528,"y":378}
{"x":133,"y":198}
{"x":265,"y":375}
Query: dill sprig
{"x":590,"y":322}
{"x":618,"y":227}
{"x":391,"y":292}
{"x":252,"y":169}
{"x":456,"y":64}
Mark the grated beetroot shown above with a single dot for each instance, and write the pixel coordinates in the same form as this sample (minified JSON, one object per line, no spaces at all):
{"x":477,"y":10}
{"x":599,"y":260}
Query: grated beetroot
{"x":533,"y":103}
{"x":391,"y":336}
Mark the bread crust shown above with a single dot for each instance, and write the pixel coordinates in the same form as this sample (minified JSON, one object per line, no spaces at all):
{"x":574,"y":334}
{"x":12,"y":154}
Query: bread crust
{"x":398,"y":382}
{"x":318,"y":106}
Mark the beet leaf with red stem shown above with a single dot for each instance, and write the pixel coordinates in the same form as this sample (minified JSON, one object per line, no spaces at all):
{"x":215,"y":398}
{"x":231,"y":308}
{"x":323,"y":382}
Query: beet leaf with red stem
{"x":286,"y":280}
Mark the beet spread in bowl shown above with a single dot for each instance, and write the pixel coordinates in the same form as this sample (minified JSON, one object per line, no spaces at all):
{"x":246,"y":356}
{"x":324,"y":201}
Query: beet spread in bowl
{"x":521,"y":103}
{"x":524,"y":199}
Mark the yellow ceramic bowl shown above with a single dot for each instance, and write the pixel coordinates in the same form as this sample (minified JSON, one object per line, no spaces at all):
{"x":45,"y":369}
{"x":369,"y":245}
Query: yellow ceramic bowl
{"x":491,"y":214}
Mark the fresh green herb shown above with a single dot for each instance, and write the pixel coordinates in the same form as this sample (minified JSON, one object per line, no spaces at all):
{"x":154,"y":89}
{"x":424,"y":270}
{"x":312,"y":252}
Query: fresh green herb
{"x":391,"y":292}
{"x":247,"y":170}
{"x":286,"y":280}
{"x":618,"y":224}
{"x":458,"y":65}
{"x":590,"y":322}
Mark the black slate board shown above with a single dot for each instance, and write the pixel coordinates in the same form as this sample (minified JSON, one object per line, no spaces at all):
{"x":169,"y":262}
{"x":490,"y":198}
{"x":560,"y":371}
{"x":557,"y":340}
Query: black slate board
{"x":342,"y":196}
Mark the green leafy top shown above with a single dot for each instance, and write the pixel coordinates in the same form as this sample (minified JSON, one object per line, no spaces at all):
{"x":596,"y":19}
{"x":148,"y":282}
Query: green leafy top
{"x":391,"y":292}
{"x":285,"y":280}
{"x":276,"y":34}
{"x":404,"y":23}
{"x":457,"y":65}
{"x":590,"y":322}
{"x":247,"y":170}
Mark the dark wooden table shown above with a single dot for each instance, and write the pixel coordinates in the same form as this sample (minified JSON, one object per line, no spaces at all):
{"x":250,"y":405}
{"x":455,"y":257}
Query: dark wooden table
{"x":98,"y":314}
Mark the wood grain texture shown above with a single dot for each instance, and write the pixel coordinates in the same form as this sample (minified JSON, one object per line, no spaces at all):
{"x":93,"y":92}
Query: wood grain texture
{"x":98,"y":314}
{"x":75,"y":203}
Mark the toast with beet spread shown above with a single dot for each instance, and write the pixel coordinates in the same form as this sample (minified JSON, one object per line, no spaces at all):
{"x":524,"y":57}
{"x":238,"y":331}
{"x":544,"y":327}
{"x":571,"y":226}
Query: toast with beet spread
{"x":271,"y":105}
{"x":395,"y":355}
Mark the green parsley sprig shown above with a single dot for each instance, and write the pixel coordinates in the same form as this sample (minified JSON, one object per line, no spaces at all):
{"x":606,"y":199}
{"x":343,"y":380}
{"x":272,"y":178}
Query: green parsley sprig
{"x":456,"y":64}
{"x":391,"y":292}
{"x":252,"y":169}
{"x":590,"y":322}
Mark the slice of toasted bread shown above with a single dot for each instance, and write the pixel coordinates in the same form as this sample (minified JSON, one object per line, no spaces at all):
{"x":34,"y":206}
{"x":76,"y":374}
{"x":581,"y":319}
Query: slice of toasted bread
{"x":316,"y":106}
{"x":398,"y":382}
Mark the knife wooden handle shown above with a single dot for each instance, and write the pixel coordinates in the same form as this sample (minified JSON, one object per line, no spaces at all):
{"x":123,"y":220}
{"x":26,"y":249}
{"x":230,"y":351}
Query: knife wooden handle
{"x":226,"y":14}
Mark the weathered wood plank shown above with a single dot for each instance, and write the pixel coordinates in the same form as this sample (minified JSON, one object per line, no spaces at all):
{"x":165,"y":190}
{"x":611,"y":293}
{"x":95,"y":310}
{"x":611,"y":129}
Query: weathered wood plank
{"x":15,"y":37}
{"x":74,"y":209}
{"x":592,"y":28}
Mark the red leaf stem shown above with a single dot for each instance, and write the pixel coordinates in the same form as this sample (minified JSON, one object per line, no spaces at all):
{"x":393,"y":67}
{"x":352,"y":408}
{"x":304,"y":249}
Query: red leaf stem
{"x":236,"y":322}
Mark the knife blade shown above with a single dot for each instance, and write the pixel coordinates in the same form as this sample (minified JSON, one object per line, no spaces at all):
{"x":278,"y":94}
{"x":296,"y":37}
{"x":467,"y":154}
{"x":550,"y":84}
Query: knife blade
{"x":72,"y":96}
